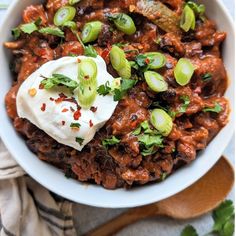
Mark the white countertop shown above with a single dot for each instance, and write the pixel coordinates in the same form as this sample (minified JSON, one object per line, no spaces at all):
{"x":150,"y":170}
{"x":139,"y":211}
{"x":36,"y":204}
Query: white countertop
{"x":88,"y":217}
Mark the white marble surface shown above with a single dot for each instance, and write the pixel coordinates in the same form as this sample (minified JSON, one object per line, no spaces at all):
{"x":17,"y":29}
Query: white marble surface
{"x":88,"y":217}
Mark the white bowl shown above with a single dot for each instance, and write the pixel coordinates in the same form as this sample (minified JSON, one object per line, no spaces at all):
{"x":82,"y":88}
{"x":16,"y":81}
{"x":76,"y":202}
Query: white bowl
{"x":93,"y":195}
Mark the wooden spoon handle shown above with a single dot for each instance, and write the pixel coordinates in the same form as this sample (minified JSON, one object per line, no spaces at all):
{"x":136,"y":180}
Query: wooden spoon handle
{"x":123,"y":220}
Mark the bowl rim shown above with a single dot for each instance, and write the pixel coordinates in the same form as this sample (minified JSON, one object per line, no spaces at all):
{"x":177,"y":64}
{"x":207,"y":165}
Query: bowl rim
{"x":151,"y":199}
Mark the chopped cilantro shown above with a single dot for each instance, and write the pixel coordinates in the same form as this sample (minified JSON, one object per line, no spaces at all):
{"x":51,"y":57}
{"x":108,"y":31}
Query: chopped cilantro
{"x":118,"y":91}
{"x":199,"y":10}
{"x":16,"y":33}
{"x":143,"y":62}
{"x":189,"y":230}
{"x":79,"y":140}
{"x":90,"y":51}
{"x":224,"y":219}
{"x":206,"y":77}
{"x":104,"y":89}
{"x":75,"y":125}
{"x":59,"y":80}
{"x":110,"y":141}
{"x":52,"y":31}
{"x":217,"y":108}
{"x":29,"y":28}
{"x":126,"y":84}
{"x":184,"y":106}
{"x":148,"y":138}
{"x":163,"y":176}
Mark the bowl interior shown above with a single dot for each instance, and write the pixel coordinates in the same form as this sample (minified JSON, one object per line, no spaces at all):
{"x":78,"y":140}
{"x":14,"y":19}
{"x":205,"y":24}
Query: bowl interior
{"x":93,"y":195}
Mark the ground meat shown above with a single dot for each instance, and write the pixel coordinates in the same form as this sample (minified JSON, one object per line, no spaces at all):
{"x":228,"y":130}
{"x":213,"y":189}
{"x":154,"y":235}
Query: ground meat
{"x":124,"y":164}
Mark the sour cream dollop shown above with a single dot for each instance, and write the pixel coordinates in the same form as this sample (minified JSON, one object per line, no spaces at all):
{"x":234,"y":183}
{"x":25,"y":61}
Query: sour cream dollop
{"x":54,"y":111}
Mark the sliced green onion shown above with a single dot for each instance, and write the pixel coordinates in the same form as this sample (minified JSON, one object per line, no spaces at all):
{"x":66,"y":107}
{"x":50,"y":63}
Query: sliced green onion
{"x":187,"y":20}
{"x":125,"y":72}
{"x":72,"y":2}
{"x":87,"y":95}
{"x":183,"y":71}
{"x":155,"y":81}
{"x":91,"y":31}
{"x":64,"y":14}
{"x":161,"y":121}
{"x":124,"y":23}
{"x":117,"y":57}
{"x":88,"y":72}
{"x":158,"y":60}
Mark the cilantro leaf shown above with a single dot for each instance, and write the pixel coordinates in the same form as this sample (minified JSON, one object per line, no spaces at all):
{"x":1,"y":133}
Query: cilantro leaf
{"x":52,"y":31}
{"x":206,"y":77}
{"x":189,"y":230}
{"x":143,"y":62}
{"x":117,"y":91}
{"x":29,"y":28}
{"x":75,"y":125}
{"x":217,"y":108}
{"x":186,"y":102}
{"x":163,"y":176}
{"x":90,"y":51}
{"x":150,"y":140}
{"x":110,"y":141}
{"x":126,"y":84}
{"x":199,"y":10}
{"x":148,"y":151}
{"x":224,"y":217}
{"x":57,"y":80}
{"x":16,"y":33}
{"x":79,"y":140}
{"x":104,"y":89}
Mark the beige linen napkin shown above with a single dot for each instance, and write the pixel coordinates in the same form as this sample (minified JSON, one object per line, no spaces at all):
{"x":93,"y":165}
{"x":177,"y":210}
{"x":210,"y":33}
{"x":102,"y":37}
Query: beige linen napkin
{"x":27,"y":208}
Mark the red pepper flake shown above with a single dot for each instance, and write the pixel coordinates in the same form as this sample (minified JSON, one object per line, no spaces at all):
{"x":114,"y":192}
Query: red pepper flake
{"x":43,"y":107}
{"x":52,"y":99}
{"x":90,"y":123}
{"x":59,"y":100}
{"x":93,"y":109}
{"x":78,"y":60}
{"x":77,"y":115}
{"x":147,"y":61}
{"x":63,"y":122}
{"x":41,"y":86}
{"x":65,"y":110}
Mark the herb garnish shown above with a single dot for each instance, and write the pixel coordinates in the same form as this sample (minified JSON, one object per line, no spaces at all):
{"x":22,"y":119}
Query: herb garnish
{"x":223,"y":217}
{"x":75,"y":125}
{"x":148,"y":138}
{"x":184,"y":106}
{"x":206,"y":77}
{"x":52,"y":31}
{"x":199,"y":10}
{"x":143,"y":61}
{"x":118,"y":91}
{"x":79,"y":140}
{"x":90,"y":51}
{"x":110,"y":141}
{"x":29,"y":28}
{"x":59,"y":80}
{"x":217,"y":108}
{"x":104,"y":89}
